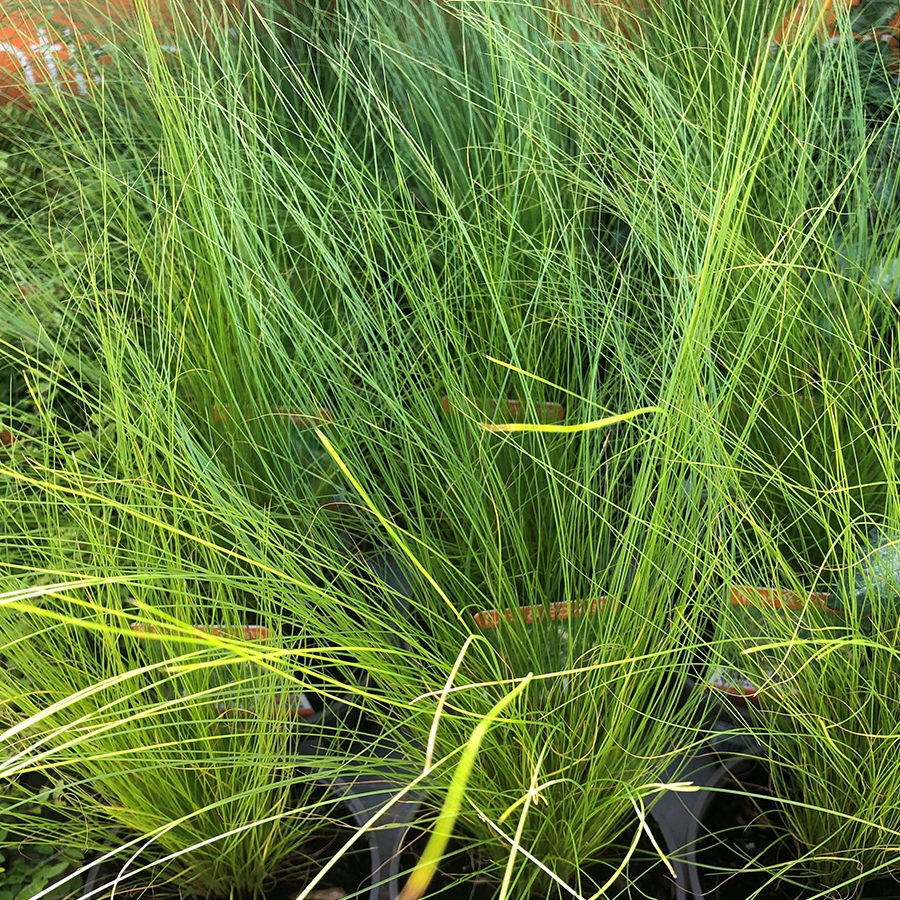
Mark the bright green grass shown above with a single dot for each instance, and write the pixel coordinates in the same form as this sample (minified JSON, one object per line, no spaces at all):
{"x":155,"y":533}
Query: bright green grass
{"x":343,"y":218}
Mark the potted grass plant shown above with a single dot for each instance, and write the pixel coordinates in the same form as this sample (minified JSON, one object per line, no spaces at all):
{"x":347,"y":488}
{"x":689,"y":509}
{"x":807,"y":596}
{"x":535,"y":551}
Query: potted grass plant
{"x":797,"y":625}
{"x":505,"y":526}
{"x":381,"y":368}
{"x":823,"y":714}
{"x":186,"y":738}
{"x":402,"y":219}
{"x":810,"y":643}
{"x":183,"y":746}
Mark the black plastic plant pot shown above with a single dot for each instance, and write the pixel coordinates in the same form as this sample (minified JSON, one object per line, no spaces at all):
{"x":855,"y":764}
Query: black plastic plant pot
{"x":466,"y":873}
{"x":741,"y":839}
{"x":726,"y":838}
{"x":733,"y":837}
{"x":379,"y":800}
{"x":682,"y":815}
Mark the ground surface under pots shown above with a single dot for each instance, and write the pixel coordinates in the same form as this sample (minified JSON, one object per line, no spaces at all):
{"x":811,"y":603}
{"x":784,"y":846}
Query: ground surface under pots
{"x":744,"y":835}
{"x":464,"y":875}
{"x":739,"y":828}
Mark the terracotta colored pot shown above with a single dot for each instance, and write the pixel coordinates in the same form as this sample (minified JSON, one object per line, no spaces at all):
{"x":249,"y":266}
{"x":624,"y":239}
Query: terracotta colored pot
{"x":65,"y":44}
{"x":823,"y":15}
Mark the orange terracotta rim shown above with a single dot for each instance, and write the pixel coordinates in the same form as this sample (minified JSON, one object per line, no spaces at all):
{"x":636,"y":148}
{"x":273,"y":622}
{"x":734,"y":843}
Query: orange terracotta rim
{"x":823,"y":16}
{"x":552,"y":612}
{"x":64,"y":45}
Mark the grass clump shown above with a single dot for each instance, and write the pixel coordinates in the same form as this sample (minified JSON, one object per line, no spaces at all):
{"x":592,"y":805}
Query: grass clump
{"x":351,"y":289}
{"x":186,"y":738}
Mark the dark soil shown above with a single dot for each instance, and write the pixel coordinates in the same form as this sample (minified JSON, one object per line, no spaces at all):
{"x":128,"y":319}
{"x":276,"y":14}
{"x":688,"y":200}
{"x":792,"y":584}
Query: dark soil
{"x":744,"y":836}
{"x":466,"y":874}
